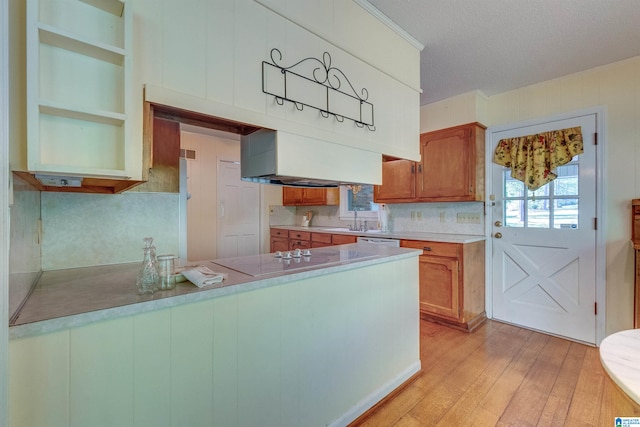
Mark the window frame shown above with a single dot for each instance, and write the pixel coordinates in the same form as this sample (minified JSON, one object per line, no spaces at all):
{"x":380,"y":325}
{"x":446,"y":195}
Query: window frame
{"x":346,"y":214}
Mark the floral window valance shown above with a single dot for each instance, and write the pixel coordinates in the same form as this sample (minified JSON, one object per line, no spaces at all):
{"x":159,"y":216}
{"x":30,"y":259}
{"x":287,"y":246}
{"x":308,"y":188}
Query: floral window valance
{"x":533,"y":158}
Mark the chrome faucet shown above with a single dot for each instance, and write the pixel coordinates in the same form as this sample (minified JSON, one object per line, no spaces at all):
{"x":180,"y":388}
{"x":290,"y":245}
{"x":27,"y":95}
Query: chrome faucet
{"x":355,"y":219}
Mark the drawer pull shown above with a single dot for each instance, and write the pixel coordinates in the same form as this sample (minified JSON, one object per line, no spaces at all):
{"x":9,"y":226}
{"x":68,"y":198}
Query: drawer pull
{"x":427,"y":248}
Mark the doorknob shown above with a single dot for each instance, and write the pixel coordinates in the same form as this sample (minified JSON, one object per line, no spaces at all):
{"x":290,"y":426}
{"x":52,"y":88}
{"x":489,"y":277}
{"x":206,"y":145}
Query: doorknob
{"x":498,"y":223}
{"x":498,"y":235}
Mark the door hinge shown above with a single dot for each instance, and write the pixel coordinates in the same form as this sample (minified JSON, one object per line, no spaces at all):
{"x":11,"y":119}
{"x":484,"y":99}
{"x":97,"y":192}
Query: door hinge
{"x":595,"y":223}
{"x":595,"y":138}
{"x":595,"y":308}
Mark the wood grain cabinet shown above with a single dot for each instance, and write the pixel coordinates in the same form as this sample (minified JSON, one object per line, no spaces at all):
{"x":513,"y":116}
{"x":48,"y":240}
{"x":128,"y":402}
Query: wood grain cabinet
{"x":319,"y":240}
{"x":279,"y":239}
{"x":295,"y":196}
{"x":343,"y":239}
{"x":288,"y":240}
{"x":451,"y":282}
{"x":399,"y":182}
{"x":299,"y":240}
{"x":451,"y":169}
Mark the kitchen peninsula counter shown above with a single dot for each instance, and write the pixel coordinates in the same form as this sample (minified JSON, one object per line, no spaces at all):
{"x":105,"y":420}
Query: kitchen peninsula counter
{"x":317,"y":346}
{"x":401,"y":235}
{"x":78,"y":296}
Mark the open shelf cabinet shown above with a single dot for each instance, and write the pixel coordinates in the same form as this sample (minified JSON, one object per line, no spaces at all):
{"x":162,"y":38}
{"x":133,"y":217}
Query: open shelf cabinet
{"x":79,"y":87}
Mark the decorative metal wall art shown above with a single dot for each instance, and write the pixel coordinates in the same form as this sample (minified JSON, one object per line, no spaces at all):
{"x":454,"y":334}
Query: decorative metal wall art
{"x":317,"y":84}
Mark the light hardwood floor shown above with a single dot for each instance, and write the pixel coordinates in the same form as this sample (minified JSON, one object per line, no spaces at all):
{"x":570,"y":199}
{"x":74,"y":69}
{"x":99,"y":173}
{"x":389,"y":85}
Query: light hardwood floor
{"x":502,"y":375}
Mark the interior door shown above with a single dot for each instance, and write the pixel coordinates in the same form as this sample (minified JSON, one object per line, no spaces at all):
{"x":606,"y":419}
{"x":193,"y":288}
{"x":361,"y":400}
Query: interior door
{"x":544,"y":242}
{"x":238,"y":212}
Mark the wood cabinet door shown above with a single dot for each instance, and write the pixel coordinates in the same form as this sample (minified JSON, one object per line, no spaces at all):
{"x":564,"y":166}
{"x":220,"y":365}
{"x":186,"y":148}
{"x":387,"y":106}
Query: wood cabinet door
{"x":398,"y":182}
{"x":294,"y":196}
{"x":446,"y":167}
{"x":291,"y":196}
{"x":299,"y":244}
{"x":439,"y":286}
{"x":314,"y":196}
{"x":279,"y":244}
{"x":343,"y":239}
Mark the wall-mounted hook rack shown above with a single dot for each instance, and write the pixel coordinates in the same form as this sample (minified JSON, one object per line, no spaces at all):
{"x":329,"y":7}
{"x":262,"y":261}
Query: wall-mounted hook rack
{"x":317,"y":84}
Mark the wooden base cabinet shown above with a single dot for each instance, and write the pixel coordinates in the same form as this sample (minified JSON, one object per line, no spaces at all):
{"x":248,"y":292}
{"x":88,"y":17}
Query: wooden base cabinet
{"x":279,"y":239}
{"x":284,"y":240}
{"x":452,"y":285}
{"x":299,"y":240}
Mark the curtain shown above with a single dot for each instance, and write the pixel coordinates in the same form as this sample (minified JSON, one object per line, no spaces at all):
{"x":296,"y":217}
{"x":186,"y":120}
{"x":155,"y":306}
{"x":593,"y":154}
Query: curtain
{"x":534,"y":158}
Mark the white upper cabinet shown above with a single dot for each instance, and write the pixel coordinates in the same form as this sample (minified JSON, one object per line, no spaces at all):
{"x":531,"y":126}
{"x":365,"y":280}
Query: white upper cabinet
{"x":78,"y":85}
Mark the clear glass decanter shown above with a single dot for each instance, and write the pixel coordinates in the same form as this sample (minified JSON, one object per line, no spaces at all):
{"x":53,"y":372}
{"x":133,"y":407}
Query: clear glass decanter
{"x":148,"y":276}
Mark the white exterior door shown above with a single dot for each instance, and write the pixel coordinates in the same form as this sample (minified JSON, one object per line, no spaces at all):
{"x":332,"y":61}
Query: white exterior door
{"x":544,"y":242}
{"x":238,"y":213}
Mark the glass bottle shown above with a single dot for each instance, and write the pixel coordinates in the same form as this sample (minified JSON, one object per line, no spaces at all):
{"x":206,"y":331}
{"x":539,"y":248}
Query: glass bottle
{"x":148,"y":275}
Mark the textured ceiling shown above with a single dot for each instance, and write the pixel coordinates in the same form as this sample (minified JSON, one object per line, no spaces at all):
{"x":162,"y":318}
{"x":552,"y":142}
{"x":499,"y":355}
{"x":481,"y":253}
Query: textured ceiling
{"x":498,"y":45}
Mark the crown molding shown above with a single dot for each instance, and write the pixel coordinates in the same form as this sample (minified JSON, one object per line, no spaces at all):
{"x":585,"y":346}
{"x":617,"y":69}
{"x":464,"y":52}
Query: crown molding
{"x":389,"y":23}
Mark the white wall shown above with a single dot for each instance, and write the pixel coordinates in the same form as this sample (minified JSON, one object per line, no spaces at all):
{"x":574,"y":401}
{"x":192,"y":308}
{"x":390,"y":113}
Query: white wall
{"x":466,"y":108}
{"x":4,"y":212}
{"x":615,"y":86}
{"x":180,"y":46}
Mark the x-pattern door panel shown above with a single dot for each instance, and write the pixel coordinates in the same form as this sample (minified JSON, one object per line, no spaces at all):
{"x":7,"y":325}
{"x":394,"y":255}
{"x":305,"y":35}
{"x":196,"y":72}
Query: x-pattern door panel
{"x":543,"y":242}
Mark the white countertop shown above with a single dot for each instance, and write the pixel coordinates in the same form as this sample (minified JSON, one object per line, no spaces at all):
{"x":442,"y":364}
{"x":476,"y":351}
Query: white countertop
{"x":407,"y":235}
{"x":620,"y":357}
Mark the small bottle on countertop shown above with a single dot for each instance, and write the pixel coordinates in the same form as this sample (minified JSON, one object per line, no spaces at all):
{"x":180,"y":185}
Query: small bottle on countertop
{"x":148,"y":276}
{"x":167,"y":272}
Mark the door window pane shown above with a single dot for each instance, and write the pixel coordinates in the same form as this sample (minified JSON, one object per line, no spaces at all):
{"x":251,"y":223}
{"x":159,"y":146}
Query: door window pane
{"x":565,"y":213}
{"x":555,"y":204}
{"x":512,"y":187}
{"x":538,"y":213}
{"x":540,"y":192}
{"x":514,"y":213}
{"x":567,"y":182}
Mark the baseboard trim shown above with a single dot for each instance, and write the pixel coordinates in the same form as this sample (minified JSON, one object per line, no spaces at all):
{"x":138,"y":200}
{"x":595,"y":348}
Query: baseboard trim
{"x":366,"y":406}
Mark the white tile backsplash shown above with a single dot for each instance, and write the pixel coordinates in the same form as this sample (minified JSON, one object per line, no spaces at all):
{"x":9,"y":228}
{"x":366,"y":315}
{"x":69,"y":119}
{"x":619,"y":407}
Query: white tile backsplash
{"x":425,"y":217}
{"x":436,"y":217}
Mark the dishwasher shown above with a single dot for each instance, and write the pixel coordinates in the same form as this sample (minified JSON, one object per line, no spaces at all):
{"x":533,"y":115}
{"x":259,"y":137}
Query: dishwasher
{"x":379,"y":241}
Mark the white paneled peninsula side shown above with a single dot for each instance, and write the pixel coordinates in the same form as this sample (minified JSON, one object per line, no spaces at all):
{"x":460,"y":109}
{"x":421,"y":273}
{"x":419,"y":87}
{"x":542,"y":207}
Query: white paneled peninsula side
{"x":313,"y":346}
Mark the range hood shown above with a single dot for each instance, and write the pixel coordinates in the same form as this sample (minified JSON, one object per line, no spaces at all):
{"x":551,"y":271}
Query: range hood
{"x":275,"y":157}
